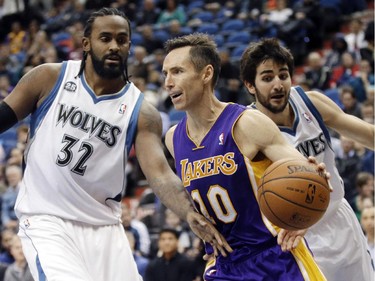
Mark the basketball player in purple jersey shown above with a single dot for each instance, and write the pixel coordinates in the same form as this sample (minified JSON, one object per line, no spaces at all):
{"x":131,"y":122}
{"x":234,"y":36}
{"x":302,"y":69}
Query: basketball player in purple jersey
{"x":85,"y":117}
{"x":221,"y":150}
{"x":337,"y":240}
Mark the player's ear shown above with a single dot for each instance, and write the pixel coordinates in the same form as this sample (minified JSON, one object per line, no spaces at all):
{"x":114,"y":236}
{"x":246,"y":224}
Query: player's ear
{"x":208,"y":73}
{"x":86,"y":44}
{"x":249,"y":87}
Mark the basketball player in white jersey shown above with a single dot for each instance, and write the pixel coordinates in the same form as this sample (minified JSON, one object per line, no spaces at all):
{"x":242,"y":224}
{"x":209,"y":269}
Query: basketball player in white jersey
{"x":85,"y":117}
{"x":337,"y":240}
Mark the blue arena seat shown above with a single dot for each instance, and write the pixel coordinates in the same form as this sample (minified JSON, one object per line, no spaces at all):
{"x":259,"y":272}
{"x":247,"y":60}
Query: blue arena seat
{"x":237,"y":52}
{"x":210,"y":28}
{"x":204,"y":16}
{"x":232,"y":25}
{"x":237,"y":38}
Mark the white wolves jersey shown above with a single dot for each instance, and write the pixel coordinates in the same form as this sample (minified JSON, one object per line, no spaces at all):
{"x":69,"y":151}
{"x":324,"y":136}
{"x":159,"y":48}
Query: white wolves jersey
{"x":337,"y":240}
{"x":311,"y":137}
{"x":78,"y":150}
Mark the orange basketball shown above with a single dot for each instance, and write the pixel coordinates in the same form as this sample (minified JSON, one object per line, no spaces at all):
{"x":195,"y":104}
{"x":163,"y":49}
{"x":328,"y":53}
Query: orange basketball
{"x":292,"y":194}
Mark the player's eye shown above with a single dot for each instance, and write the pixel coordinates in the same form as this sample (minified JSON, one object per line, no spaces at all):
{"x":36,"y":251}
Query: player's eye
{"x":267,"y":78}
{"x":284,"y":76}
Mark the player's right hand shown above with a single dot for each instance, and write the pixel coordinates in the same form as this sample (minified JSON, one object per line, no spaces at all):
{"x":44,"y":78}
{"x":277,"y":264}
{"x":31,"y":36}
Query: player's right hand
{"x":289,"y":239}
{"x":206,"y":231}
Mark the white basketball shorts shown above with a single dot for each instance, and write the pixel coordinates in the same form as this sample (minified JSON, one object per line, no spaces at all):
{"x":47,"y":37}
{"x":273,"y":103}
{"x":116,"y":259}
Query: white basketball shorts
{"x":59,"y":250}
{"x":340,"y":247}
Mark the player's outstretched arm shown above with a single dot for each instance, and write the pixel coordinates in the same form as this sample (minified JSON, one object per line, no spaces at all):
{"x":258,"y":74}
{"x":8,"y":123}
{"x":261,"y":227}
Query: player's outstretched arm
{"x":29,"y":92}
{"x":256,"y":133}
{"x":164,"y":182}
{"x":252,"y":139}
{"x":347,"y":125}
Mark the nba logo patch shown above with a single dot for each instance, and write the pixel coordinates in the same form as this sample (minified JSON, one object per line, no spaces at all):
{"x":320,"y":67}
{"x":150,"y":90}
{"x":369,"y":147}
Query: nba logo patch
{"x":307,"y":117}
{"x":26,"y":223}
{"x":221,"y":139}
{"x":122,"y":108}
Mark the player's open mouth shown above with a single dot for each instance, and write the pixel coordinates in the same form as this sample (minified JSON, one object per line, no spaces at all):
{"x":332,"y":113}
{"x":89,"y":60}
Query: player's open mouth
{"x":113,"y":59}
{"x":174,"y":96}
{"x":277,"y":97}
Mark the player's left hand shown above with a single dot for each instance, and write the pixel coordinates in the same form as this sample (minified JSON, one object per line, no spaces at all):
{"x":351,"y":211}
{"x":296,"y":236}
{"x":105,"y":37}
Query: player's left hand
{"x":321,"y":167}
{"x":208,"y":233}
{"x":289,"y":239}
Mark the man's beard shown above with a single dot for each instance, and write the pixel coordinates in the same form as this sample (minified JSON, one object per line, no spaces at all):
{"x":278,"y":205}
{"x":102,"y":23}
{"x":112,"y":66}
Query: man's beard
{"x":266,"y":103}
{"x":112,"y":71}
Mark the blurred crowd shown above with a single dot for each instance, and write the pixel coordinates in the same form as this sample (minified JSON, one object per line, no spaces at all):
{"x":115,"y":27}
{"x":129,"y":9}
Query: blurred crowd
{"x":333,"y":45}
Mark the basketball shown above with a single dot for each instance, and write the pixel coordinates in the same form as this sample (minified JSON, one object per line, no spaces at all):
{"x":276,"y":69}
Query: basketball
{"x":292,"y":194}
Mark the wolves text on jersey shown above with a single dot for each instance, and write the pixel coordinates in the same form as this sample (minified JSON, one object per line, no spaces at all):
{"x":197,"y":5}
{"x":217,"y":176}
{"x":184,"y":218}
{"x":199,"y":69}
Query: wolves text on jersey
{"x":88,"y":123}
{"x":312,"y":147}
{"x":207,"y":167}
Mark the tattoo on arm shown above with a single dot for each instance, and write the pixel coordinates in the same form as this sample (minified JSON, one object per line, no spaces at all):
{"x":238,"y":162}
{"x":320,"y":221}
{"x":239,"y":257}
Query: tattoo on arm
{"x":173,"y":195}
{"x":151,"y":121}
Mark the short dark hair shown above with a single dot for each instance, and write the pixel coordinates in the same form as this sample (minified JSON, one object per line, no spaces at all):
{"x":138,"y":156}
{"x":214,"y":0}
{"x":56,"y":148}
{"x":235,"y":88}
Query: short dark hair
{"x":169,"y":230}
{"x":258,"y":52}
{"x":202,"y":53}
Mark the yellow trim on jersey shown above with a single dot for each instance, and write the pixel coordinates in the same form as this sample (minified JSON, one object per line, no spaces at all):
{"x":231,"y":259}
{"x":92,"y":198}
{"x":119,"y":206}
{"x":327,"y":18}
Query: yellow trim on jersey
{"x":307,"y":264}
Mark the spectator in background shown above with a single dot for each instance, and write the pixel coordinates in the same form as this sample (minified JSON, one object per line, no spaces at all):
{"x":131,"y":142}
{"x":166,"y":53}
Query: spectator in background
{"x":366,"y":80}
{"x":32,"y":30}
{"x":169,"y":265}
{"x":128,"y":7}
{"x":148,"y":15}
{"x":349,"y":101}
{"x":5,"y":86}
{"x":317,"y":75}
{"x":367,"y":223}
{"x":126,"y":219}
{"x":280,"y":14}
{"x":311,"y":10}
{"x":348,"y":166}
{"x":141,"y":261}
{"x":13,"y":176}
{"x":7,"y":235}
{"x":367,"y":53}
{"x":19,"y":269}
{"x":171,"y":12}
{"x":138,"y":65}
{"x":345,"y":72}
{"x":338,"y":47}
{"x":15,"y":157}
{"x":16,"y":39}
{"x":364,"y":182}
{"x":41,"y":47}
{"x":142,"y":236}
{"x":367,"y":111}
{"x":22,"y":135}
{"x":76,"y":32}
{"x":150,"y":42}
{"x":174,"y":29}
{"x":184,"y":238}
{"x":356,"y":37}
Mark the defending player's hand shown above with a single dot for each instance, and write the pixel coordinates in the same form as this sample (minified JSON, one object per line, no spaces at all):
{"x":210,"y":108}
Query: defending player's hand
{"x":322,"y":168}
{"x":208,"y":233}
{"x":289,"y":239}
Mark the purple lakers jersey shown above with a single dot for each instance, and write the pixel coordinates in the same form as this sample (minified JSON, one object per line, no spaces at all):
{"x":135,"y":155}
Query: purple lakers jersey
{"x":222,"y":181}
{"x":223,"y":184}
